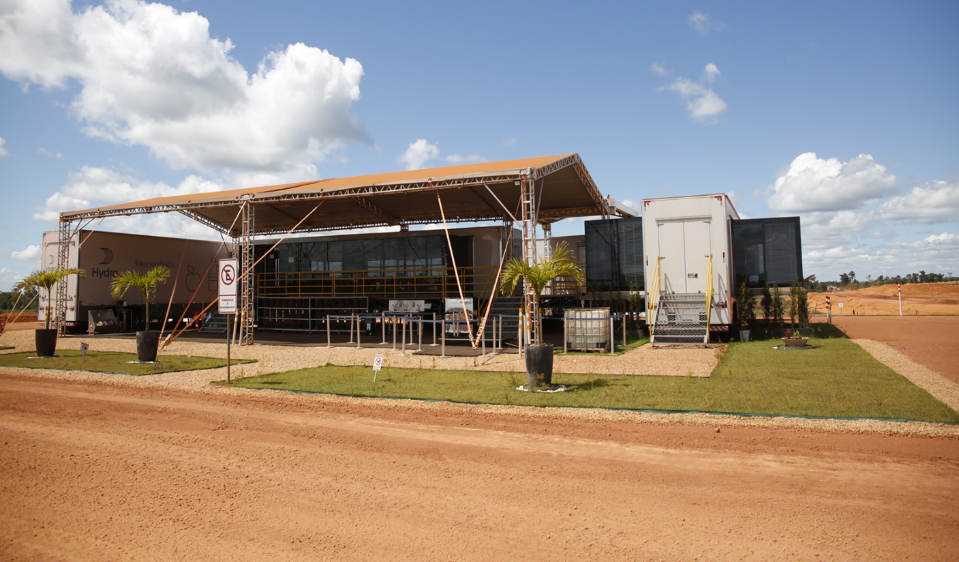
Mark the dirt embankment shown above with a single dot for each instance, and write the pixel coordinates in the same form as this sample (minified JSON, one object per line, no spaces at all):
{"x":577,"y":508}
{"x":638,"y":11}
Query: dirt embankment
{"x":6,"y":317}
{"x":919,"y":299}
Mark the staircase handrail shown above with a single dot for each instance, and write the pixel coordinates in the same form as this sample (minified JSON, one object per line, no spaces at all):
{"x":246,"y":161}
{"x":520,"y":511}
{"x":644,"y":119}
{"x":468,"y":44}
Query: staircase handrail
{"x":652,"y":299}
{"x":709,"y":296}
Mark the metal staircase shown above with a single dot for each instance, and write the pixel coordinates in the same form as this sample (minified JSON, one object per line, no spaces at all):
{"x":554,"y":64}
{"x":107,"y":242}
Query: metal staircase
{"x":509,"y":308}
{"x":215,"y":325}
{"x":680,"y":319}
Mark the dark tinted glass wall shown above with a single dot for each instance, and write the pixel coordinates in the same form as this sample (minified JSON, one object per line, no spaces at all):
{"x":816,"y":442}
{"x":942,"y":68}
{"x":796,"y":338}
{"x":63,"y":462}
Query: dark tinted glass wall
{"x":386,"y":255}
{"x":614,"y":254}
{"x":767,"y":251}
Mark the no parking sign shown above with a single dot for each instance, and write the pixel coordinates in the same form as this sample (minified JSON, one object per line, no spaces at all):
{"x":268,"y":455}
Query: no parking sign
{"x":227,"y":285}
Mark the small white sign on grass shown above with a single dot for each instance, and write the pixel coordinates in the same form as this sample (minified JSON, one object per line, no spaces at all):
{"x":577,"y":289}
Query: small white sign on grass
{"x":377,"y":365}
{"x":84,"y":348}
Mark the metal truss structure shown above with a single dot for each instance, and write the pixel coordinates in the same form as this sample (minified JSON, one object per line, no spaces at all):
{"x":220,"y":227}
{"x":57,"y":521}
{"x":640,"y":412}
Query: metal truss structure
{"x":278,"y":199}
{"x":247,"y":298}
{"x":63,"y":257}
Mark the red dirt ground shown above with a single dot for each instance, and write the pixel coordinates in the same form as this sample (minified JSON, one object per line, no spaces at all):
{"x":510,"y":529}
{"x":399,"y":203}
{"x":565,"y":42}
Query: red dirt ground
{"x":25,"y":321}
{"x":931,"y":341}
{"x":97,"y":472}
{"x":918,"y":299}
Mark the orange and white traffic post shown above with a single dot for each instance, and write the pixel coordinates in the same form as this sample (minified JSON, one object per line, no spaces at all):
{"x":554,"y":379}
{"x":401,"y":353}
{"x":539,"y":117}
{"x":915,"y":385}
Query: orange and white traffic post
{"x":900,"y":298}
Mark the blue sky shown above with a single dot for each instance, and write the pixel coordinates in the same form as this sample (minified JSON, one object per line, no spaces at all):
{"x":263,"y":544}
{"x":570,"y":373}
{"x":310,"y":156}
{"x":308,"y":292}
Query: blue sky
{"x":842,"y":113}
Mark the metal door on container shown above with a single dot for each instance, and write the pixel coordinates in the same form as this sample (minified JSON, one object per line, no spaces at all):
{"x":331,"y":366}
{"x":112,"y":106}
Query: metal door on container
{"x":683,"y":254}
{"x":697,"y":245}
{"x":672,"y":261}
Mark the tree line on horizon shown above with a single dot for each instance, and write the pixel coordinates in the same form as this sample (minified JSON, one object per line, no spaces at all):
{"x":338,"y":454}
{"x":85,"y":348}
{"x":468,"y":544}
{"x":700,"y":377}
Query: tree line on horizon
{"x":849,"y":281}
{"x":8,"y":299}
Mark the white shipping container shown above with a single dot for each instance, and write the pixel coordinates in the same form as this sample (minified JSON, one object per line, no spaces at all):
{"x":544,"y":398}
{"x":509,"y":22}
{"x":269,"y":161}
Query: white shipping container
{"x":683,"y":232}
{"x":103,"y":255}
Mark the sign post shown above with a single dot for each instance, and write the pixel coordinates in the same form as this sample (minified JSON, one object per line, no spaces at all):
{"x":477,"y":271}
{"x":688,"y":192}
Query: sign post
{"x":900,"y":298}
{"x":227,"y":282}
{"x":828,"y":310}
{"x":377,"y":365}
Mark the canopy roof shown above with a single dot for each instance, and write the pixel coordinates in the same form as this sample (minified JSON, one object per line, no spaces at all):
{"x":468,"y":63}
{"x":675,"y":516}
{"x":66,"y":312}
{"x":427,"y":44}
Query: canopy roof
{"x":471,"y":192}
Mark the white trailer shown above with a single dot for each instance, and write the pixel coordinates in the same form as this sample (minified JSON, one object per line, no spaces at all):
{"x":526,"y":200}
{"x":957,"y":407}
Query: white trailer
{"x":684,"y":238}
{"x":103,"y":255}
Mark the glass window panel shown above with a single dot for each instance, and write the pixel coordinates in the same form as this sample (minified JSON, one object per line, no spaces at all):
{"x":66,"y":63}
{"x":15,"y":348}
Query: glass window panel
{"x":353,"y":255}
{"x":335,"y":256}
{"x":599,"y":248}
{"x":373,"y":254}
{"x":631,"y":263}
{"x":749,"y":261}
{"x":782,"y":264}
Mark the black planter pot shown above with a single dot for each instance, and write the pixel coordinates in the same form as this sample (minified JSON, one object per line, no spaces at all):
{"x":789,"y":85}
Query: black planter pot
{"x":539,"y":365}
{"x":46,"y":342}
{"x":147,"y":343}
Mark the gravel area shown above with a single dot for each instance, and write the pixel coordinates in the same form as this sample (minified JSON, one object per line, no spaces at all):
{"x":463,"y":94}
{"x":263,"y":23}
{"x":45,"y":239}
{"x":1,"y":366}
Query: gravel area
{"x":642,"y":360}
{"x":939,"y":386}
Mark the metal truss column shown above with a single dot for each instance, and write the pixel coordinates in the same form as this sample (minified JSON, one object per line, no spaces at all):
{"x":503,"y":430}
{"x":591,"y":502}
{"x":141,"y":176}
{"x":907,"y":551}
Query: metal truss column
{"x":548,"y":250}
{"x":247,"y":298}
{"x":527,"y":195}
{"x":63,"y":255}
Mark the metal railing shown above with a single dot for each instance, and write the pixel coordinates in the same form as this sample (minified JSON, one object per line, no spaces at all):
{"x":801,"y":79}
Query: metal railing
{"x":652,"y":300}
{"x":565,"y":285}
{"x":709,"y":296}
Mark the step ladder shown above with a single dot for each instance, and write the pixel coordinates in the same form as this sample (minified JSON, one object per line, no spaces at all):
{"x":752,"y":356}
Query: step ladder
{"x":215,"y":325}
{"x":680,"y":319}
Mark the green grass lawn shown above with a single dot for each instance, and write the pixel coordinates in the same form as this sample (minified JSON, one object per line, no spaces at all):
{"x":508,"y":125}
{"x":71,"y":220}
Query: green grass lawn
{"x":839,"y":379}
{"x":112,"y":362}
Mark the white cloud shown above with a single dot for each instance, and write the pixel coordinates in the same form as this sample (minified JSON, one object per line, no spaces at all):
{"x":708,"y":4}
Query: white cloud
{"x":816,"y":184}
{"x":418,"y":153}
{"x":9,"y":278}
{"x":3,"y":151}
{"x":92,"y":185}
{"x":847,"y":210}
{"x":936,"y":253}
{"x":509,"y":141}
{"x":702,"y":102}
{"x":29,"y":253}
{"x":825,"y":229}
{"x":44,"y":152}
{"x":152,"y":76}
{"x":945,"y":237}
{"x":459,"y":159}
{"x":655,"y":68}
{"x":704,"y":23}
{"x":173,"y":225}
{"x":711,"y":72}
{"x":929,"y":202}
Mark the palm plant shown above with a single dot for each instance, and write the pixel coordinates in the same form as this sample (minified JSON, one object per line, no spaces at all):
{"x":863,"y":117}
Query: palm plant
{"x":538,"y":276}
{"x":146,"y":283}
{"x":46,"y":280}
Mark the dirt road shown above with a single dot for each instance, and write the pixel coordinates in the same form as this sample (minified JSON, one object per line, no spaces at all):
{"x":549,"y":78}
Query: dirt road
{"x":932,"y":341}
{"x":98,"y":472}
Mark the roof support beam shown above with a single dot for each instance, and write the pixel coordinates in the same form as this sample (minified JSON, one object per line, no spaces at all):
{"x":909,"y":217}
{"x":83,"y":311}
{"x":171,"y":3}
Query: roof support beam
{"x":376,"y":210}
